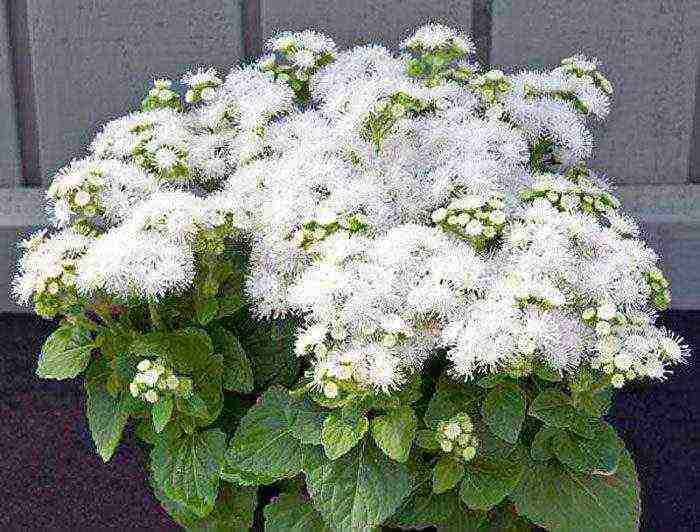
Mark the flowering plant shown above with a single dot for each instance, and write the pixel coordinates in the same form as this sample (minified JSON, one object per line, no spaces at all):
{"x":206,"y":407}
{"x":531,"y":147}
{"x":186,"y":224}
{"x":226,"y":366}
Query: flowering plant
{"x":388,"y":286}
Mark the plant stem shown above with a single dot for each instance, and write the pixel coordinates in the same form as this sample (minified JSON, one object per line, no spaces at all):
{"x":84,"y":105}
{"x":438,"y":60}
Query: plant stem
{"x":156,"y":320}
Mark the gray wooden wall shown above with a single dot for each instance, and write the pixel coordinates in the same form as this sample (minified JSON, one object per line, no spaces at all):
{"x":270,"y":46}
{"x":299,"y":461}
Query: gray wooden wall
{"x":68,"y":65}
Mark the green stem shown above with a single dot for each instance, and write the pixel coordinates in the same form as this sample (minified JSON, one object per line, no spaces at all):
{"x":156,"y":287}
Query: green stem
{"x":156,"y":319}
{"x":81,"y":321}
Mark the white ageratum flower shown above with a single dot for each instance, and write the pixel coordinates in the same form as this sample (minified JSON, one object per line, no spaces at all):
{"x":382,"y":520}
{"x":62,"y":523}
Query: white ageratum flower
{"x":166,"y":158}
{"x":303,"y":58}
{"x":202,"y":78}
{"x":606,"y":311}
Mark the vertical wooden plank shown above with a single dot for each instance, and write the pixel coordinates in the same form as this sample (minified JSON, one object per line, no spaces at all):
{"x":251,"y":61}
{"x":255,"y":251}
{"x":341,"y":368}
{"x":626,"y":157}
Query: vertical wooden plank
{"x":10,"y":174}
{"x":252,"y":36}
{"x":695,"y":141}
{"x":352,"y":22}
{"x":648,"y":49}
{"x":91,"y":58}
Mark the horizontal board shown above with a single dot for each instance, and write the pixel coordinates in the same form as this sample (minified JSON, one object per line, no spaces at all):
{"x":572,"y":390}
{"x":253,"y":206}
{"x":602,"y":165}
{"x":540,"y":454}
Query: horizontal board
{"x":9,"y":146}
{"x":351,"y":22}
{"x":648,"y":49}
{"x":91,"y":60}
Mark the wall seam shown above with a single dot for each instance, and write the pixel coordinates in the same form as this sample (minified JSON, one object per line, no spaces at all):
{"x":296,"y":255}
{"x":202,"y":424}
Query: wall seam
{"x":23,"y":78}
{"x":482,"y":22}
{"x":252,"y":36}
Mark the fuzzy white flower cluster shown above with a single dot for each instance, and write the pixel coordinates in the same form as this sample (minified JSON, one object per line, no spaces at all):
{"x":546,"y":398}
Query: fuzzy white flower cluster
{"x":403,"y":204}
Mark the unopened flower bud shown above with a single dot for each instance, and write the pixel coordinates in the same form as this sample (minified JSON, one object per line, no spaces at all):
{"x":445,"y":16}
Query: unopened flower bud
{"x":452,"y":431}
{"x":82,"y":198}
{"x":151,"y":396}
{"x":330,"y":390}
{"x":134,"y":389}
{"x":439,"y":215}
{"x":618,"y":380}
{"x":468,"y":453}
{"x":602,"y":328}
{"x":446,"y":445}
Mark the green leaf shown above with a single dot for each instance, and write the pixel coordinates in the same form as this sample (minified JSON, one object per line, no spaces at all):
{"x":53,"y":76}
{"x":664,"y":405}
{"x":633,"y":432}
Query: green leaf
{"x":600,"y":454}
{"x":394,"y":432}
{"x":161,"y":412}
{"x":585,"y":395}
{"x":505,"y":521}
{"x":561,"y":500}
{"x":230,"y":305}
{"x":65,"y":353}
{"x":266,"y":444}
{"x":493,"y":380}
{"x":425,"y":508}
{"x":597,"y":403}
{"x":359,"y":490}
{"x":193,"y":405}
{"x":427,"y":439}
{"x":146,"y":432}
{"x":409,"y":393}
{"x":208,"y":311}
{"x":447,"y":474}
{"x":270,"y":349}
{"x":442,"y":407}
{"x":504,"y":411}
{"x":233,"y":512}
{"x":470,"y":522}
{"x":105,"y":419}
{"x":188,"y":469}
{"x":542,"y":443}
{"x":488,"y":481}
{"x":547,"y":373}
{"x":554,"y":408}
{"x":238,"y":372}
{"x":342,"y":430}
{"x":292,"y":513}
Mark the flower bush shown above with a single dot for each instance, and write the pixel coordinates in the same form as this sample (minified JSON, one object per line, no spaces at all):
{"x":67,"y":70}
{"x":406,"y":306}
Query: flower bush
{"x":386,"y":286}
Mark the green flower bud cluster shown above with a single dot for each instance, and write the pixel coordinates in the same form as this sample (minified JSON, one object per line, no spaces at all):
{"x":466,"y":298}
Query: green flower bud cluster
{"x":582,"y":196}
{"x":213,"y":241}
{"x":154,"y":379}
{"x":435,"y":64}
{"x":490,"y":85}
{"x":658,"y":285}
{"x":532,"y":93}
{"x":202,"y":87}
{"x":380,"y":122}
{"x":56,"y":291}
{"x":456,"y":436}
{"x":294,"y":63}
{"x":624,"y":357}
{"x":79,"y":194}
{"x":473,"y":217}
{"x":603,"y":317}
{"x":161,"y":96}
{"x":167,"y":161}
{"x":588,"y":71}
{"x":326,"y":224}
{"x":619,"y":367}
{"x":388,"y":337}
